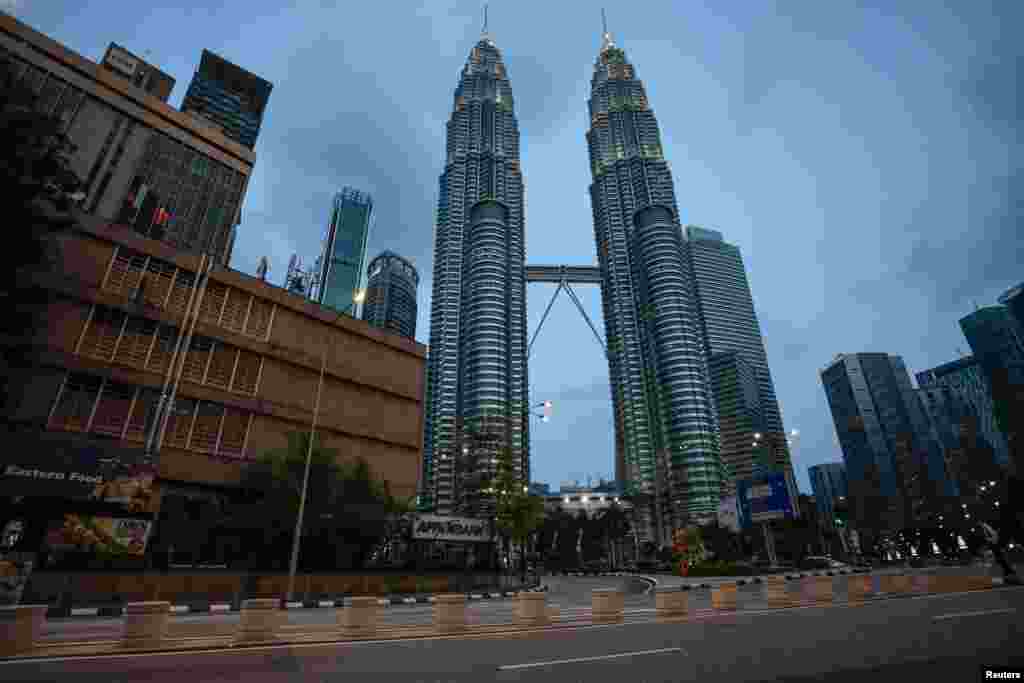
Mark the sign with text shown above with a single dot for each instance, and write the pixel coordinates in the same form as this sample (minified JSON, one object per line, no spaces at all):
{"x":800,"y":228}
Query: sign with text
{"x":440,"y":528}
{"x":764,"y":499}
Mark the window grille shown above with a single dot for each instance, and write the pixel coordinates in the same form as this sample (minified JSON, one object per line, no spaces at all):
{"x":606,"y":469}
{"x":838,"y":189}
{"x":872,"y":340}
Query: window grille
{"x":213,"y":301}
{"x":115,"y":403}
{"x":126,"y":271}
{"x":159,"y":276}
{"x":222,"y":362}
{"x":181,"y":290}
{"x":234,"y":310}
{"x":259,"y":318}
{"x":207,"y":427}
{"x":135,"y":342}
{"x":247,"y":372}
{"x":179,"y":423}
{"x":75,"y":403}
{"x":142,"y":415}
{"x":163,"y":347}
{"x":101,"y":335}
{"x":196,"y":359}
{"x":232,"y":441}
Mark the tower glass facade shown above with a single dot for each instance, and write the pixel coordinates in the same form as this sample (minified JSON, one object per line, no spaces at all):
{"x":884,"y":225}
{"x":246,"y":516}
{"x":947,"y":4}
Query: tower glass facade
{"x":667,"y":444}
{"x":344,"y":255}
{"x":229,"y":97}
{"x":828,"y":482}
{"x":391,"y":286}
{"x":740,"y":413}
{"x":476,"y":367}
{"x":729,"y":324}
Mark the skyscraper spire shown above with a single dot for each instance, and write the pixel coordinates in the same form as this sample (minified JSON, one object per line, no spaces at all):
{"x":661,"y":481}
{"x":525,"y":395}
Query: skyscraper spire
{"x":606,"y":38}
{"x":484,"y":34}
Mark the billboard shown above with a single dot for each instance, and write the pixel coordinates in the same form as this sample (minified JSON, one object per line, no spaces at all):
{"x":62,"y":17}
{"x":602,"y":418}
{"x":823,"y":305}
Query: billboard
{"x":764,"y":499}
{"x":63,"y":469}
{"x":440,"y":528}
{"x":101,"y":535}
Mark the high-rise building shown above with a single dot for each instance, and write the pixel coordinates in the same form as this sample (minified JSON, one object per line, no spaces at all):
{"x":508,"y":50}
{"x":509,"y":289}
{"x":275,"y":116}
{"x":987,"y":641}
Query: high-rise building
{"x":146,"y":166}
{"x":958,"y":400}
{"x":477,"y":407}
{"x":828,"y":481}
{"x":667,"y":444}
{"x":729,"y":323}
{"x":892,"y":461}
{"x":228,"y":97}
{"x":997,"y":339}
{"x":740,"y":414}
{"x":391,"y":286}
{"x":344,"y":250}
{"x":1013,"y":299}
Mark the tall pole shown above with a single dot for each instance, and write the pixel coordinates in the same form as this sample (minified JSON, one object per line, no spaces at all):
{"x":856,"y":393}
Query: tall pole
{"x":297,"y":540}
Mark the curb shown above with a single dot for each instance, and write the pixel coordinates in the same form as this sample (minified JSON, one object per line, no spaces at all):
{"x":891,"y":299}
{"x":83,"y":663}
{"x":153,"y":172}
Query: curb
{"x":116,"y":611}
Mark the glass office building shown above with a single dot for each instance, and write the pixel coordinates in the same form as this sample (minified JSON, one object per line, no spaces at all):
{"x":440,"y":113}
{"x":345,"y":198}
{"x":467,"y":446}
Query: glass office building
{"x":229,"y":97}
{"x":828,"y":482}
{"x":391,"y":286}
{"x":344,"y":250}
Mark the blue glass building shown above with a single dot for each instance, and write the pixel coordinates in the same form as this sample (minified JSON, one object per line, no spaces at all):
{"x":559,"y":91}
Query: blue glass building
{"x":344,"y":250}
{"x":228,"y":96}
{"x":828,"y":481}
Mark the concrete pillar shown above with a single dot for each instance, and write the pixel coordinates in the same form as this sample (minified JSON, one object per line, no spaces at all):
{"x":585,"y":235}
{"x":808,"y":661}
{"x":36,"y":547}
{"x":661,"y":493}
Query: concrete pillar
{"x":261,"y":619}
{"x":531,"y":609}
{"x":20,"y":626}
{"x":977,"y":583}
{"x":894,"y":584}
{"x":358,"y":618}
{"x":723,"y":597}
{"x":450,"y":613}
{"x":145,"y":623}
{"x":858,"y":588}
{"x":816,"y":589}
{"x":776,"y":593}
{"x":670,"y":603}
{"x":606,"y":604}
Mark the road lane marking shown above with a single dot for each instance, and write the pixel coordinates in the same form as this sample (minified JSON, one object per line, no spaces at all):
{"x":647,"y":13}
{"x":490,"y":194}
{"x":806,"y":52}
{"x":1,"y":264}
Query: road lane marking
{"x":980,"y":613}
{"x":597,"y":658}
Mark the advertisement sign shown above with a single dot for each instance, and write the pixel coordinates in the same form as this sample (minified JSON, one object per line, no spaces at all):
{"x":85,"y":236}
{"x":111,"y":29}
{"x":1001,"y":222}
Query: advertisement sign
{"x":764,"y":499}
{"x":729,"y":514}
{"x":100,"y":535}
{"x":440,"y":528}
{"x":122,"y":62}
{"x":59,"y":469}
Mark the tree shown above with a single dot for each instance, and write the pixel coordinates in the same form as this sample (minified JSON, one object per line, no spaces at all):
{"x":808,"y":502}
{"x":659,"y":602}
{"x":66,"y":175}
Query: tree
{"x":40,"y":189}
{"x":519,"y":516}
{"x":615,"y":527}
{"x":349,"y":512}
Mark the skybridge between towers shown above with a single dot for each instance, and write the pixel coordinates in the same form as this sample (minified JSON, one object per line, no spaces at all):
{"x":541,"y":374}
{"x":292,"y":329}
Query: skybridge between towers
{"x":565,"y":277}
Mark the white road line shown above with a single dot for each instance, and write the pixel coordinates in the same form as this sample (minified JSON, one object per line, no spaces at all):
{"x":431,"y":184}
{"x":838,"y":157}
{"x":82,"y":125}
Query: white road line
{"x":576,"y":660}
{"x":980,"y":613}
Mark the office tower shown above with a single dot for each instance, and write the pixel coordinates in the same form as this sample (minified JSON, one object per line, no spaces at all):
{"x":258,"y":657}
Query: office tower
{"x":391,"y":286}
{"x":1013,"y":299}
{"x":729,"y":323}
{"x":476,"y":400}
{"x":666,"y":431}
{"x":740,"y":415}
{"x":228,"y":97}
{"x":997,"y":339}
{"x":964,"y":403}
{"x":344,"y":250}
{"x":892,"y":462}
{"x":138,"y":72}
{"x":829,"y":484}
{"x":144,"y":165}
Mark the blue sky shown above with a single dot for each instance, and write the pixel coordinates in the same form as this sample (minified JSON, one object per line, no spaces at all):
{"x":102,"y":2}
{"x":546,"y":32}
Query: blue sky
{"x":866,"y":157}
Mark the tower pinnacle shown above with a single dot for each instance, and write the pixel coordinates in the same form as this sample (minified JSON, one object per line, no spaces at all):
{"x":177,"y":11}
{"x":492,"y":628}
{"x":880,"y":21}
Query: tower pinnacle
{"x":484,"y":34}
{"x":606,"y":37}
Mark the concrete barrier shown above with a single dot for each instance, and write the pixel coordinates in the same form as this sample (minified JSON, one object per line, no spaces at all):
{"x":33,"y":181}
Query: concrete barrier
{"x":976,"y":583}
{"x":723,"y":597}
{"x":358,"y":618}
{"x":858,"y":588}
{"x":606,"y":605}
{"x":531,"y":609}
{"x":145,"y":623}
{"x":894,"y":584}
{"x":777,"y":593}
{"x":816,"y":590}
{"x":670,"y":603}
{"x":450,"y":613}
{"x":261,"y":620}
{"x":20,"y":626}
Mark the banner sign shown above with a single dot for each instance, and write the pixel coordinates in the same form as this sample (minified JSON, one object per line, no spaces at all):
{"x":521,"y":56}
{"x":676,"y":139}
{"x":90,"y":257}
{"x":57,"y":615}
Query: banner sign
{"x":63,"y":469}
{"x":100,"y":535}
{"x":439,"y":528}
{"x":764,"y":499}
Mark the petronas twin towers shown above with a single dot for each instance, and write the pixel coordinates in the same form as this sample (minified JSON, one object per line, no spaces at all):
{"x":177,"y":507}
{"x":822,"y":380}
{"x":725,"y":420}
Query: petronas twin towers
{"x":477,"y":404}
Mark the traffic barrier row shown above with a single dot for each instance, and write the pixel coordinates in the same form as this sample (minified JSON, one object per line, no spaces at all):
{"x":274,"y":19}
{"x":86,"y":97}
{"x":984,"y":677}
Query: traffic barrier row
{"x":146,"y":623}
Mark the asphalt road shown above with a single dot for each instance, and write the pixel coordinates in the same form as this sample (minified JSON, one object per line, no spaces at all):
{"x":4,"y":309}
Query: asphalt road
{"x":940,"y":638}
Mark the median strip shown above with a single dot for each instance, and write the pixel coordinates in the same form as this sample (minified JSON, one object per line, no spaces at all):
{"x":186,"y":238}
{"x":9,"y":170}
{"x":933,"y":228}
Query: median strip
{"x":596,"y":658}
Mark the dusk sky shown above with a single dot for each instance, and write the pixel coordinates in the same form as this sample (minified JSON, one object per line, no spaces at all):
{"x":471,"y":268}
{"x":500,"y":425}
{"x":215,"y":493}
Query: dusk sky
{"x":866,"y":157}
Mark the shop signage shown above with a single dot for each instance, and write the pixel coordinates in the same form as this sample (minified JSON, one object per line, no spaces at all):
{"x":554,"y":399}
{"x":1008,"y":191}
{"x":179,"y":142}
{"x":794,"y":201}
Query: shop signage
{"x":100,"y":535}
{"x":63,"y":469}
{"x":764,"y":499}
{"x":121,"y":61}
{"x":439,"y":528}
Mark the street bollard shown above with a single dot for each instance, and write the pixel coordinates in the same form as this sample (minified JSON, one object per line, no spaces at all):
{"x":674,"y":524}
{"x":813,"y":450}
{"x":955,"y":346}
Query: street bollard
{"x":450,"y":613}
{"x":776,"y":593}
{"x":358,"y":618}
{"x":857,"y":589}
{"x":723,"y":597}
{"x":145,"y":623}
{"x":531,"y":609}
{"x":261,"y":619}
{"x":606,"y":605}
{"x":975,"y":583}
{"x":670,"y":603}
{"x":919,"y":584}
{"x":817,"y":590}
{"x":894,"y":584}
{"x":20,"y":627}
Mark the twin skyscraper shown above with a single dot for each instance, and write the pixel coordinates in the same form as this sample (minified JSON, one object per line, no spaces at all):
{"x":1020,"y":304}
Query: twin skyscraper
{"x":668,"y":450}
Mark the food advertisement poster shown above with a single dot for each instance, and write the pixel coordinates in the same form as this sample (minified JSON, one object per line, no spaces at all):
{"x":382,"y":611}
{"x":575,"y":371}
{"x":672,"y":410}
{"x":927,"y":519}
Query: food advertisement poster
{"x":110,"y":536}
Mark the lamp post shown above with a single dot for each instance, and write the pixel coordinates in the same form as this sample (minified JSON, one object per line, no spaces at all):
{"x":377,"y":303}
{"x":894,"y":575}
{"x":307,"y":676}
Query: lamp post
{"x":297,"y":539}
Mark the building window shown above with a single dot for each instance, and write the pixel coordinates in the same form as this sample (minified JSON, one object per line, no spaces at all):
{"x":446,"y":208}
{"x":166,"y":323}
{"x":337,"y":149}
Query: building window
{"x":142,"y":415}
{"x":179,"y":424}
{"x":197,"y":358}
{"x":112,"y":411}
{"x":246,"y":372}
{"x":75,"y":403}
{"x":102,"y":333}
{"x":206,"y":430}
